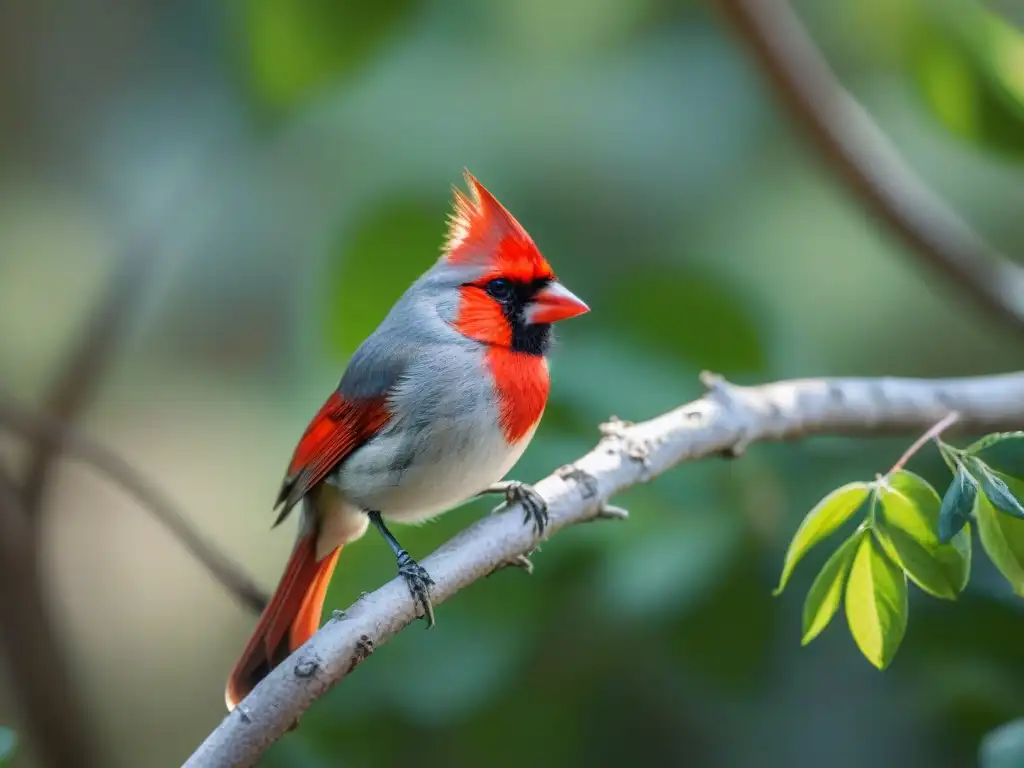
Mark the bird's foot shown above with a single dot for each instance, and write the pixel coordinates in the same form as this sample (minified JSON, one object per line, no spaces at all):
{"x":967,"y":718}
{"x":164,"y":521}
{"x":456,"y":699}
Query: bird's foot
{"x":535,"y":509}
{"x":419,"y":583}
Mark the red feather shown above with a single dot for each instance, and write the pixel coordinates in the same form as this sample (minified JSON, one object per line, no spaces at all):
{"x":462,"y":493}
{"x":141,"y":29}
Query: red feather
{"x":522,"y":383}
{"x":341,"y":426}
{"x":289,"y":620}
{"x":482,"y":228}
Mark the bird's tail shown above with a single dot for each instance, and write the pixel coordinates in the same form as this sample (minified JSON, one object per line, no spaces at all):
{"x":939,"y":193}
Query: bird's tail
{"x":290,"y":618}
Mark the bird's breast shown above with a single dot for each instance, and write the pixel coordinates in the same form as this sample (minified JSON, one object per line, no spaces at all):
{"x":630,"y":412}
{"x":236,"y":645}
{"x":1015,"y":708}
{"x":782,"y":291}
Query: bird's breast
{"x":521,"y":383}
{"x":457,"y":427}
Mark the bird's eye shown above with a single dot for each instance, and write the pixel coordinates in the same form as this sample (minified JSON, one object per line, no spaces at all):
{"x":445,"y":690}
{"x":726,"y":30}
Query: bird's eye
{"x":499,"y":288}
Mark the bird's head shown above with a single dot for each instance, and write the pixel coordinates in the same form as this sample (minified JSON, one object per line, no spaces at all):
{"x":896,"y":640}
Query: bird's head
{"x":508,"y":294}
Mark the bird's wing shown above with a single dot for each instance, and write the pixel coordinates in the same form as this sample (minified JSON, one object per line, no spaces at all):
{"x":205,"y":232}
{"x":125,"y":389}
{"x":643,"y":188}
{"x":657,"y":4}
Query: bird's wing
{"x":351,"y":416}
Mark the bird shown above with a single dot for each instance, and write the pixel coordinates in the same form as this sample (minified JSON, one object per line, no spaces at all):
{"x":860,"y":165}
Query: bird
{"x":434,"y":408}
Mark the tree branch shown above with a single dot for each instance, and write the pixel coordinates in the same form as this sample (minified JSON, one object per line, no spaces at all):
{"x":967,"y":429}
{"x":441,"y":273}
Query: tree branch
{"x":57,"y":724}
{"x":726,"y":420}
{"x":76,"y":383}
{"x":58,"y":436}
{"x":863,"y":158}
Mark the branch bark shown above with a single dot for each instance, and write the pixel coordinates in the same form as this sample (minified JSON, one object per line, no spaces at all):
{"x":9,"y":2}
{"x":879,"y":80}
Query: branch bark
{"x":723,"y":422}
{"x":60,"y":437}
{"x":38,"y":668}
{"x":859,"y":153}
{"x":76,"y":383}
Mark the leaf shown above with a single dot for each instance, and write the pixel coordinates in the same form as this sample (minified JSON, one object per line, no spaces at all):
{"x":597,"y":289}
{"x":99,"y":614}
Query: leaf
{"x":1003,"y":747}
{"x":941,"y":572}
{"x":995,"y":489}
{"x":996,"y":438}
{"x":876,"y":603}
{"x":827,"y":590}
{"x":908,"y":531}
{"x":829,"y":513}
{"x":957,"y":504}
{"x":1002,"y":537}
{"x":1003,"y":451}
{"x":909,"y":502}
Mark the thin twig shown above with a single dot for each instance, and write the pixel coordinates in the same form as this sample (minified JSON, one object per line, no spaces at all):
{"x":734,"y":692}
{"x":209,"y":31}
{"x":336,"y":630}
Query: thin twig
{"x":937,"y":429}
{"x":727,"y":417}
{"x":862,"y":156}
{"x":74,"y":442}
{"x":76,"y":383}
{"x":56,"y":722}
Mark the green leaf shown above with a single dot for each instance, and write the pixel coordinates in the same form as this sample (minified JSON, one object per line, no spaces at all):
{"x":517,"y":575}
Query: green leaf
{"x":8,"y":743}
{"x":996,"y":438}
{"x":1003,"y":747}
{"x":909,"y":502}
{"x":941,"y":572}
{"x":908,"y":531}
{"x":1002,"y":537}
{"x":1003,"y":451}
{"x":829,"y":513}
{"x":995,"y":489}
{"x":827,"y":590}
{"x":957,"y":504}
{"x":876,"y":603}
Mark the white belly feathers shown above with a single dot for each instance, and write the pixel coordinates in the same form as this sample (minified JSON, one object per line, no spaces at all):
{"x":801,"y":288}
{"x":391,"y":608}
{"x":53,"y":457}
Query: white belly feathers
{"x":432,"y":480}
{"x":442,"y":446}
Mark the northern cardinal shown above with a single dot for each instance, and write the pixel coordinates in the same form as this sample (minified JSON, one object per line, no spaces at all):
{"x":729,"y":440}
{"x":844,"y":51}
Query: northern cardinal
{"x":434,"y":408}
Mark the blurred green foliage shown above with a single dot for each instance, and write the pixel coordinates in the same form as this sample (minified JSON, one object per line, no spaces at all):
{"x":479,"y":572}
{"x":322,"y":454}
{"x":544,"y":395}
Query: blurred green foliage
{"x":8,"y":745}
{"x":969,"y":65}
{"x":293,"y":48}
{"x":386,"y":252}
{"x":1004,"y":747}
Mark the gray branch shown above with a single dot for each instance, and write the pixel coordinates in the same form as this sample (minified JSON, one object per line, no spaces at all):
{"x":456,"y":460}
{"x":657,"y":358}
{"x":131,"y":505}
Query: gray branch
{"x":723,"y":422}
{"x":863,"y":158}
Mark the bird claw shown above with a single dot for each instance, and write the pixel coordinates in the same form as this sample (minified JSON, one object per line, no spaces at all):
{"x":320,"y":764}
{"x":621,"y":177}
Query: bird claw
{"x":535,"y":509}
{"x":419,"y":583}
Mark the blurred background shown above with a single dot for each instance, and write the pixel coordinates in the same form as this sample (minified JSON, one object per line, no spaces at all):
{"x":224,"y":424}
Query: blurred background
{"x":289,"y":165}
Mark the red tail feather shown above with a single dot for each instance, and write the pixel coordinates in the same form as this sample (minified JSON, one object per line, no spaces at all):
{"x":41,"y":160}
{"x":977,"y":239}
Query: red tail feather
{"x":290,"y":618}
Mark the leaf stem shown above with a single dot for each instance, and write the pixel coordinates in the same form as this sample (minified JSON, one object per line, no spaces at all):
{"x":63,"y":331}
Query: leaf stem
{"x":937,"y":429}
{"x":950,"y":455}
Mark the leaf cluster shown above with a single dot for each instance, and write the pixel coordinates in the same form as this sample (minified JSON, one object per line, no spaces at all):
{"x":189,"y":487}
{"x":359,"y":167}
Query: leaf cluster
{"x":908,"y":533}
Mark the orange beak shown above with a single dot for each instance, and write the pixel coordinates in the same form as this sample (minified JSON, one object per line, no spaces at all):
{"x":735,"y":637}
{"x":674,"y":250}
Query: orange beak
{"x":553,"y":303}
